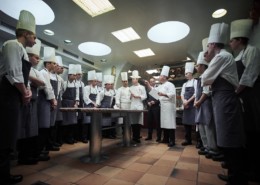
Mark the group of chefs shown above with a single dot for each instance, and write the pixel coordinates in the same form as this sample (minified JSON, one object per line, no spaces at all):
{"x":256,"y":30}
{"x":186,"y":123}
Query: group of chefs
{"x":223,"y":102}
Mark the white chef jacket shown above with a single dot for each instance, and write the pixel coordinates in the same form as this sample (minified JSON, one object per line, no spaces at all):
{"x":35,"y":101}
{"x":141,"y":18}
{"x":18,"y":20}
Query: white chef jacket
{"x":223,"y":65}
{"x":13,"y":52}
{"x":123,"y":95}
{"x":48,"y":87}
{"x":251,"y":60}
{"x":72,"y":84}
{"x":189,"y":83}
{"x":168,"y":105}
{"x":89,"y":89}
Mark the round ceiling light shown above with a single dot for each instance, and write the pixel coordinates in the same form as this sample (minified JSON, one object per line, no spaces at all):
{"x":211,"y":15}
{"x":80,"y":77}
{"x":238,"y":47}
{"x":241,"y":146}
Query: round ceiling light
{"x":219,"y":13}
{"x":48,"y":32}
{"x":94,"y":48}
{"x":42,"y":12}
{"x":167,"y":32}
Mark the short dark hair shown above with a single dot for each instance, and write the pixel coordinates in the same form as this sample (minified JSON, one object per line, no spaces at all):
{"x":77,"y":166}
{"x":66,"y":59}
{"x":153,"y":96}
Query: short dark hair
{"x":20,"y":32}
{"x":220,"y":45}
{"x":243,"y":40}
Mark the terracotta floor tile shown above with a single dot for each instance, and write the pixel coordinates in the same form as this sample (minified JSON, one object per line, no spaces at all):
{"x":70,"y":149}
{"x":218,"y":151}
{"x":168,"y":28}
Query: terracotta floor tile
{"x":118,"y":182}
{"x":30,"y":179}
{"x":129,"y":175}
{"x":187,"y":166}
{"x":184,"y":174}
{"x":22,"y":169}
{"x":173,"y":153}
{"x":88,"y":167}
{"x":56,"y":170}
{"x":94,"y":179}
{"x":172,"y":181}
{"x":167,"y":163}
{"x":210,"y":179}
{"x":73,"y":175}
{"x":139,"y":167}
{"x":210,"y":168}
{"x":41,"y":165}
{"x":120,"y":163}
{"x":204,"y":160}
{"x":161,"y":170}
{"x":147,"y":160}
{"x":57,"y":181}
{"x":149,"y":179}
{"x":189,"y":159}
{"x":170,"y":157}
{"x":108,"y":171}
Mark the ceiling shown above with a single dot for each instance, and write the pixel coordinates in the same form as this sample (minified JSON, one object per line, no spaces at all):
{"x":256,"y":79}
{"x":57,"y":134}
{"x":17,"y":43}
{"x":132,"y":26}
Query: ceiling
{"x":72,"y":23}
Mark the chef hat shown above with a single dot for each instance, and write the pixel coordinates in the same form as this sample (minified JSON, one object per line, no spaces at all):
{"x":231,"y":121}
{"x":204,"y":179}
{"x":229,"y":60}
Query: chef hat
{"x":201,"y":59}
{"x":59,"y":61}
{"x":218,"y":33}
{"x":92,"y":75}
{"x":78,"y":69}
{"x":99,"y":76}
{"x":26,"y":21}
{"x":49,"y":54}
{"x":124,"y":76}
{"x":35,"y":49}
{"x":241,"y":28}
{"x":165,"y":71}
{"x":108,"y":79}
{"x":189,"y":67}
{"x":72,"y":69}
{"x":135,"y":74}
{"x":205,"y":44}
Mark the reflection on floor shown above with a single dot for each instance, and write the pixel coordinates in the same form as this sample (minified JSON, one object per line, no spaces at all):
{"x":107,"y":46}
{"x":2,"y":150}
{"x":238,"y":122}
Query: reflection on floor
{"x":148,"y":163}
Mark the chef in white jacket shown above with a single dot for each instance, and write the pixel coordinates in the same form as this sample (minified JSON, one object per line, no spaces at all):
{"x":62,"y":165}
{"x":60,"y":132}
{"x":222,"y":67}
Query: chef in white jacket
{"x":138,"y":94}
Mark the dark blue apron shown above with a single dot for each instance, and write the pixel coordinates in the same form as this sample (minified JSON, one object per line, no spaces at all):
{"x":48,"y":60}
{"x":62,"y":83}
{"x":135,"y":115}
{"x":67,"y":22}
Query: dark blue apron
{"x":189,"y":113}
{"x":227,"y":114}
{"x":54,"y":84}
{"x":68,"y":100}
{"x":106,"y":103}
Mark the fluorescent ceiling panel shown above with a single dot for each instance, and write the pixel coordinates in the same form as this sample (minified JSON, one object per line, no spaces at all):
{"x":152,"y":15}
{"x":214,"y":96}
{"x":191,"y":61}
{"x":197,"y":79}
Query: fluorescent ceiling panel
{"x":151,"y":71}
{"x":42,"y":12}
{"x":167,"y":32}
{"x":94,"y":48}
{"x":144,"y":52}
{"x":126,"y":35}
{"x":219,"y":13}
{"x":95,"y":7}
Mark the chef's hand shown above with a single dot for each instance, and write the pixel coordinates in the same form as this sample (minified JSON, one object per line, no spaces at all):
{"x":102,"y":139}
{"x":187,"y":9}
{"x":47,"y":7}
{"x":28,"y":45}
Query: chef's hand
{"x":197,"y":104}
{"x":53,"y":103}
{"x":26,"y":98}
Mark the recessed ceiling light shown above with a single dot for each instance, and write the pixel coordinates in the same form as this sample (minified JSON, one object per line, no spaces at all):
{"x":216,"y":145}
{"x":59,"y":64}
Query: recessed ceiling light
{"x":68,"y":42}
{"x":144,"y":52}
{"x":42,"y":12}
{"x":188,"y":58}
{"x":151,"y":71}
{"x":167,"y":32}
{"x":125,"y":35}
{"x":219,"y":13}
{"x":94,"y":48}
{"x":95,"y":7}
{"x":48,"y":32}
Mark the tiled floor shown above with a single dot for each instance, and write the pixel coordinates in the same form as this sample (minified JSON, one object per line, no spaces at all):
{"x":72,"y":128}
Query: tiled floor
{"x":149,"y":163}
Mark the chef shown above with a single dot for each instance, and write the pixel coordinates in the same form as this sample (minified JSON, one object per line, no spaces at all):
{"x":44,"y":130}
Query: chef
{"x":167,"y":98}
{"x":187,"y":96}
{"x":14,"y":73}
{"x":70,"y":98}
{"x":138,"y":94}
{"x":248,"y":67}
{"x":222,"y":76}
{"x":46,"y":100}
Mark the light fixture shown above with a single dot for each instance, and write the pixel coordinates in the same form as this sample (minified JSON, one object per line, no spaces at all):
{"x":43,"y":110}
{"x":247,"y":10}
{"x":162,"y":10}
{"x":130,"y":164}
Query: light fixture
{"x":67,"y":42}
{"x":94,"y":48}
{"x":126,"y":35}
{"x":151,"y":71}
{"x":167,"y":32}
{"x":103,"y":60}
{"x":42,"y":12}
{"x":129,"y":71}
{"x":48,"y":32}
{"x":144,"y":52}
{"x":188,"y":58}
{"x":95,"y":7}
{"x":219,"y":13}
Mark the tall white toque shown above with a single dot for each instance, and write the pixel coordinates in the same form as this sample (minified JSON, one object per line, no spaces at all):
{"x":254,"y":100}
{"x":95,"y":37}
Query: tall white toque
{"x":218,"y":33}
{"x":26,"y":21}
{"x":241,"y":28}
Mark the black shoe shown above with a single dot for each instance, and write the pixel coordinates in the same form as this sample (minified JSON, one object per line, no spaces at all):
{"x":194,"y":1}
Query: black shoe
{"x":202,"y":152}
{"x":45,"y":152}
{"x":164,"y":141}
{"x":12,"y":179}
{"x":56,"y":144}
{"x":136,"y":140}
{"x":43,"y":157}
{"x":185,"y":143}
{"x":171,"y":144}
{"x":208,"y":156}
{"x":85,"y":140}
{"x":158,"y":140}
{"x":148,"y":138}
{"x":199,"y":145}
{"x":224,"y":165}
{"x":28,"y":161}
{"x":218,"y":157}
{"x":52,"y":148}
{"x":69,"y":141}
{"x":223,"y":177}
